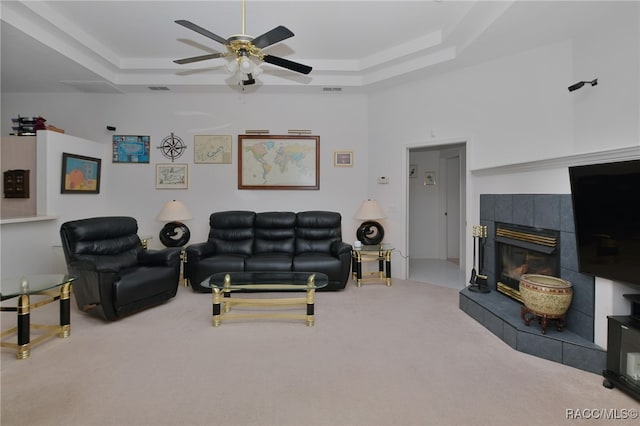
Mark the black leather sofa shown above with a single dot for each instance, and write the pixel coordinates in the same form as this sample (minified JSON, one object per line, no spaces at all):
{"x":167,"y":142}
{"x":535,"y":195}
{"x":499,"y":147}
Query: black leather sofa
{"x":116,"y":276}
{"x":240,"y":241}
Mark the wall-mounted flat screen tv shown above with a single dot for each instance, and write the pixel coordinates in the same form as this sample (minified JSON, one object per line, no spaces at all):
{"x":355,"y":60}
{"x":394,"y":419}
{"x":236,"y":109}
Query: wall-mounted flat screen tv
{"x":607,"y":219}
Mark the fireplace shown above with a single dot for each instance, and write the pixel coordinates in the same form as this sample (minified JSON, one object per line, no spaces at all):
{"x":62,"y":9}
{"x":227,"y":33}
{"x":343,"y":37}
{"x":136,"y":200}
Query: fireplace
{"x":524,"y":250}
{"x":540,"y":218}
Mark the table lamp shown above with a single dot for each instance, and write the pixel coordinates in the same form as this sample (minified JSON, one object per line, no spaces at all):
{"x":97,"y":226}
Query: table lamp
{"x":370,"y":232}
{"x":174,"y":233}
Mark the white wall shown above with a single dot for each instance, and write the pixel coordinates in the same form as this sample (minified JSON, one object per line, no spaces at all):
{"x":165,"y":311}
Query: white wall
{"x":30,"y":247}
{"x":513,"y":110}
{"x":129,"y":189}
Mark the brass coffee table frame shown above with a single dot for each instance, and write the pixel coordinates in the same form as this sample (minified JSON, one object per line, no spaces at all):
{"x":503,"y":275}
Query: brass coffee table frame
{"x":222,"y":301}
{"x":59,"y":291}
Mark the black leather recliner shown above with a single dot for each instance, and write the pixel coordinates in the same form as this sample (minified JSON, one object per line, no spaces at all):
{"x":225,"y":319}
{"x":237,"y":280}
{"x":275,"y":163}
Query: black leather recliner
{"x":116,"y":276}
{"x":240,"y":241}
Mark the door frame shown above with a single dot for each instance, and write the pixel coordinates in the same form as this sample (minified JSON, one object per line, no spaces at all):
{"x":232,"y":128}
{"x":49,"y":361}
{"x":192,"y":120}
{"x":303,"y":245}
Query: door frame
{"x":441,"y":145}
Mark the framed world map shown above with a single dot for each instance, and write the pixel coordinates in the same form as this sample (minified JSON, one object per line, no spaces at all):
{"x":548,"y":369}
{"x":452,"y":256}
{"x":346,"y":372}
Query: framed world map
{"x":278,"y":162}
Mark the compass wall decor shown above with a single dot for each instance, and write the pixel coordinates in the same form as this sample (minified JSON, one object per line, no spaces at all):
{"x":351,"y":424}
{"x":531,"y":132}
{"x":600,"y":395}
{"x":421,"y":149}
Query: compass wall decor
{"x":172,"y":147}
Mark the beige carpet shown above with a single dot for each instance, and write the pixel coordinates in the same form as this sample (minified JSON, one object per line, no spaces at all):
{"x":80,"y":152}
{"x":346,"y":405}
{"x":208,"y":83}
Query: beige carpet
{"x":404,"y":355}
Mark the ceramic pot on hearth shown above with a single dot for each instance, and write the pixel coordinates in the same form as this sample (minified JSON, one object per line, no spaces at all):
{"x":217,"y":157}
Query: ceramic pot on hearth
{"x":545,"y":295}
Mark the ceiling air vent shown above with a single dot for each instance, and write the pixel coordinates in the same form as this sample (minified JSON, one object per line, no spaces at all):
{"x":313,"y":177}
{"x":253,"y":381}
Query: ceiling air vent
{"x":332,"y":89}
{"x":159,"y":88}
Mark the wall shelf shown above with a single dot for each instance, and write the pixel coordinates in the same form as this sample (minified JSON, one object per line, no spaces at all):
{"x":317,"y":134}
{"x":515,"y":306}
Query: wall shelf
{"x":27,"y":219}
{"x":621,"y":154}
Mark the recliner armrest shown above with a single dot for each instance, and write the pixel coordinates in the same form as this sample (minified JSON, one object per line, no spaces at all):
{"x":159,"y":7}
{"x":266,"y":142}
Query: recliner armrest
{"x":98,"y":264}
{"x":168,"y":257}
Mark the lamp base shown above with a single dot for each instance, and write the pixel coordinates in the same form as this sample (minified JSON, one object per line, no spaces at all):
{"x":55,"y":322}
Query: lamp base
{"x":175,"y":234}
{"x":370,"y":233}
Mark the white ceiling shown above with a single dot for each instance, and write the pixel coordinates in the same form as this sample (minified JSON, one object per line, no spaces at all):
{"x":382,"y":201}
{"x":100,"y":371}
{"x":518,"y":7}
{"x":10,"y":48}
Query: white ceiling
{"x":118,"y":46}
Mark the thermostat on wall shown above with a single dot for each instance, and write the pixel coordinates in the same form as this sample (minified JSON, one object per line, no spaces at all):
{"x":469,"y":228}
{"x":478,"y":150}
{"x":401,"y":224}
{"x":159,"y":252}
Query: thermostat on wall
{"x":383,"y":179}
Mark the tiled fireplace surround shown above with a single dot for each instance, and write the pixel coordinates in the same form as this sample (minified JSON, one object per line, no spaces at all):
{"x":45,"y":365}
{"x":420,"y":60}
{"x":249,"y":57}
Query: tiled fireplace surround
{"x":501,"y":315}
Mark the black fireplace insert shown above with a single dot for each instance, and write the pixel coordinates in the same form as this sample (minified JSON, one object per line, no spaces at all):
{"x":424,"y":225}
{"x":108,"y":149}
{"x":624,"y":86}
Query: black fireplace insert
{"x":524,"y":250}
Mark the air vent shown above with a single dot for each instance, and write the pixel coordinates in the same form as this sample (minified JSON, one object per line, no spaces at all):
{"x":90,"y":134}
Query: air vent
{"x":332,"y":89}
{"x":159,"y":88}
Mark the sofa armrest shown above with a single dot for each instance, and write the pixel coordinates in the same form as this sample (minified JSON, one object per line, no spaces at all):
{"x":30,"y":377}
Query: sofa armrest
{"x":340,"y":247}
{"x":198,"y":251}
{"x":164,"y":257}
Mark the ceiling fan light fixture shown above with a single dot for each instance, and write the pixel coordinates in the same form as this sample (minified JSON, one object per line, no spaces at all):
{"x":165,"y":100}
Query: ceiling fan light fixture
{"x":245,"y":65}
{"x":232,"y":66}
{"x":245,"y":51}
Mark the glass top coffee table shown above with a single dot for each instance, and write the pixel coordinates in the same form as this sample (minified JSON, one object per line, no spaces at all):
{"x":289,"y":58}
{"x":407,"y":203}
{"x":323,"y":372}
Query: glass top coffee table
{"x":224,"y":284}
{"x":53,"y":287}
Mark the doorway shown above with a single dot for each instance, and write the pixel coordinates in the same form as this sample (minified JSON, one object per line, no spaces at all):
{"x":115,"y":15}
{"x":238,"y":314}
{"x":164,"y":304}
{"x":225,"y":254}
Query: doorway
{"x":436,"y":206}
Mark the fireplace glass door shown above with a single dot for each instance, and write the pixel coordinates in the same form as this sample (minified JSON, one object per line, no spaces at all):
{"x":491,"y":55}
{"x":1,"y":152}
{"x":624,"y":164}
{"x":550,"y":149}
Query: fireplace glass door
{"x":519,"y":251}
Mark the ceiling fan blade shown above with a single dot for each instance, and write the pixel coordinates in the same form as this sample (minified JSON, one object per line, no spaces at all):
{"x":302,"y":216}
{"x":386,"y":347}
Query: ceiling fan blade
{"x":272,"y":37}
{"x":198,"y":58}
{"x":200,"y":30}
{"x":285,"y":63}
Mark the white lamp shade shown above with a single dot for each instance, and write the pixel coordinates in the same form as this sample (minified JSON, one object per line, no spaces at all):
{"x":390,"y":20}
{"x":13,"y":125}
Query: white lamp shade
{"x":369,"y":210}
{"x":174,"y":211}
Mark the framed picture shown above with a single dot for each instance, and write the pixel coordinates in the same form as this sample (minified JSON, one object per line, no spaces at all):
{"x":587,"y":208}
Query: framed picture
{"x":429,"y":178}
{"x":172,"y":176}
{"x":131,"y":149}
{"x":278,"y":162}
{"x":413,"y":170}
{"x":343,"y":158}
{"x":212,"y":149}
{"x":80,"y":174}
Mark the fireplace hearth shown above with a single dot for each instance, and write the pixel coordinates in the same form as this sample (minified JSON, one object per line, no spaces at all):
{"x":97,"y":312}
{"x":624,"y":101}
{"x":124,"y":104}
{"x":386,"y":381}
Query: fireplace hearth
{"x":550,"y":216}
{"x":523,"y":250}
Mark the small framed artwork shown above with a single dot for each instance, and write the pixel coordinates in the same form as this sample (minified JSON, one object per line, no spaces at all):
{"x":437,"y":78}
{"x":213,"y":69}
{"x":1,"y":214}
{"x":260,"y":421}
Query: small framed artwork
{"x":80,"y":174}
{"x":429,"y":178}
{"x":343,"y":158}
{"x":278,"y":162}
{"x":172,"y":176}
{"x":131,"y":149}
{"x":212,"y":149}
{"x":413,"y":170}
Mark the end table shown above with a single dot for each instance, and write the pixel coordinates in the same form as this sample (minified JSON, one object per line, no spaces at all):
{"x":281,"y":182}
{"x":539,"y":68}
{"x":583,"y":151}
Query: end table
{"x":372,"y":253}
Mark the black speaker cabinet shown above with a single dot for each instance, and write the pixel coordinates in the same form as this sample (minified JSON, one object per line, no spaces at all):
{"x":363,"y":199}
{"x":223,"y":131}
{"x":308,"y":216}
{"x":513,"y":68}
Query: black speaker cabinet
{"x":623,"y":355}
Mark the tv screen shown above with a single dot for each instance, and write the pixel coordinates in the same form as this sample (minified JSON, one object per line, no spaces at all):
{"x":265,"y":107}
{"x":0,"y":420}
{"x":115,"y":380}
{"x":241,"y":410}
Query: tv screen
{"x":607,"y":219}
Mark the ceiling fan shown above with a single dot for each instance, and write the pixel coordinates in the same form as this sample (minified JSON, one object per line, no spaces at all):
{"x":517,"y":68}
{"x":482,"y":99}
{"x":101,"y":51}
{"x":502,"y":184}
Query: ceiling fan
{"x":242,"y":47}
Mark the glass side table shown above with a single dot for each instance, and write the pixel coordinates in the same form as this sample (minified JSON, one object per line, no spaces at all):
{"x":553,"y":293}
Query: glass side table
{"x":53,"y":287}
{"x":372,"y":253}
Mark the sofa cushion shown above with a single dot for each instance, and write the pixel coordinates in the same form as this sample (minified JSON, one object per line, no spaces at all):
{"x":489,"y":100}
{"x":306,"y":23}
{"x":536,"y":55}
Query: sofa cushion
{"x":269,"y":262}
{"x":214,"y":264}
{"x":144,"y":282}
{"x":310,"y":262}
{"x":232,"y":232}
{"x":316,"y":231}
{"x":275,"y":233}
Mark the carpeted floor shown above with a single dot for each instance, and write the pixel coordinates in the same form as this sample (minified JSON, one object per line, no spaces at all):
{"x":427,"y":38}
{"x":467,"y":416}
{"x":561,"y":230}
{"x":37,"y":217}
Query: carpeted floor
{"x":400,"y":355}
